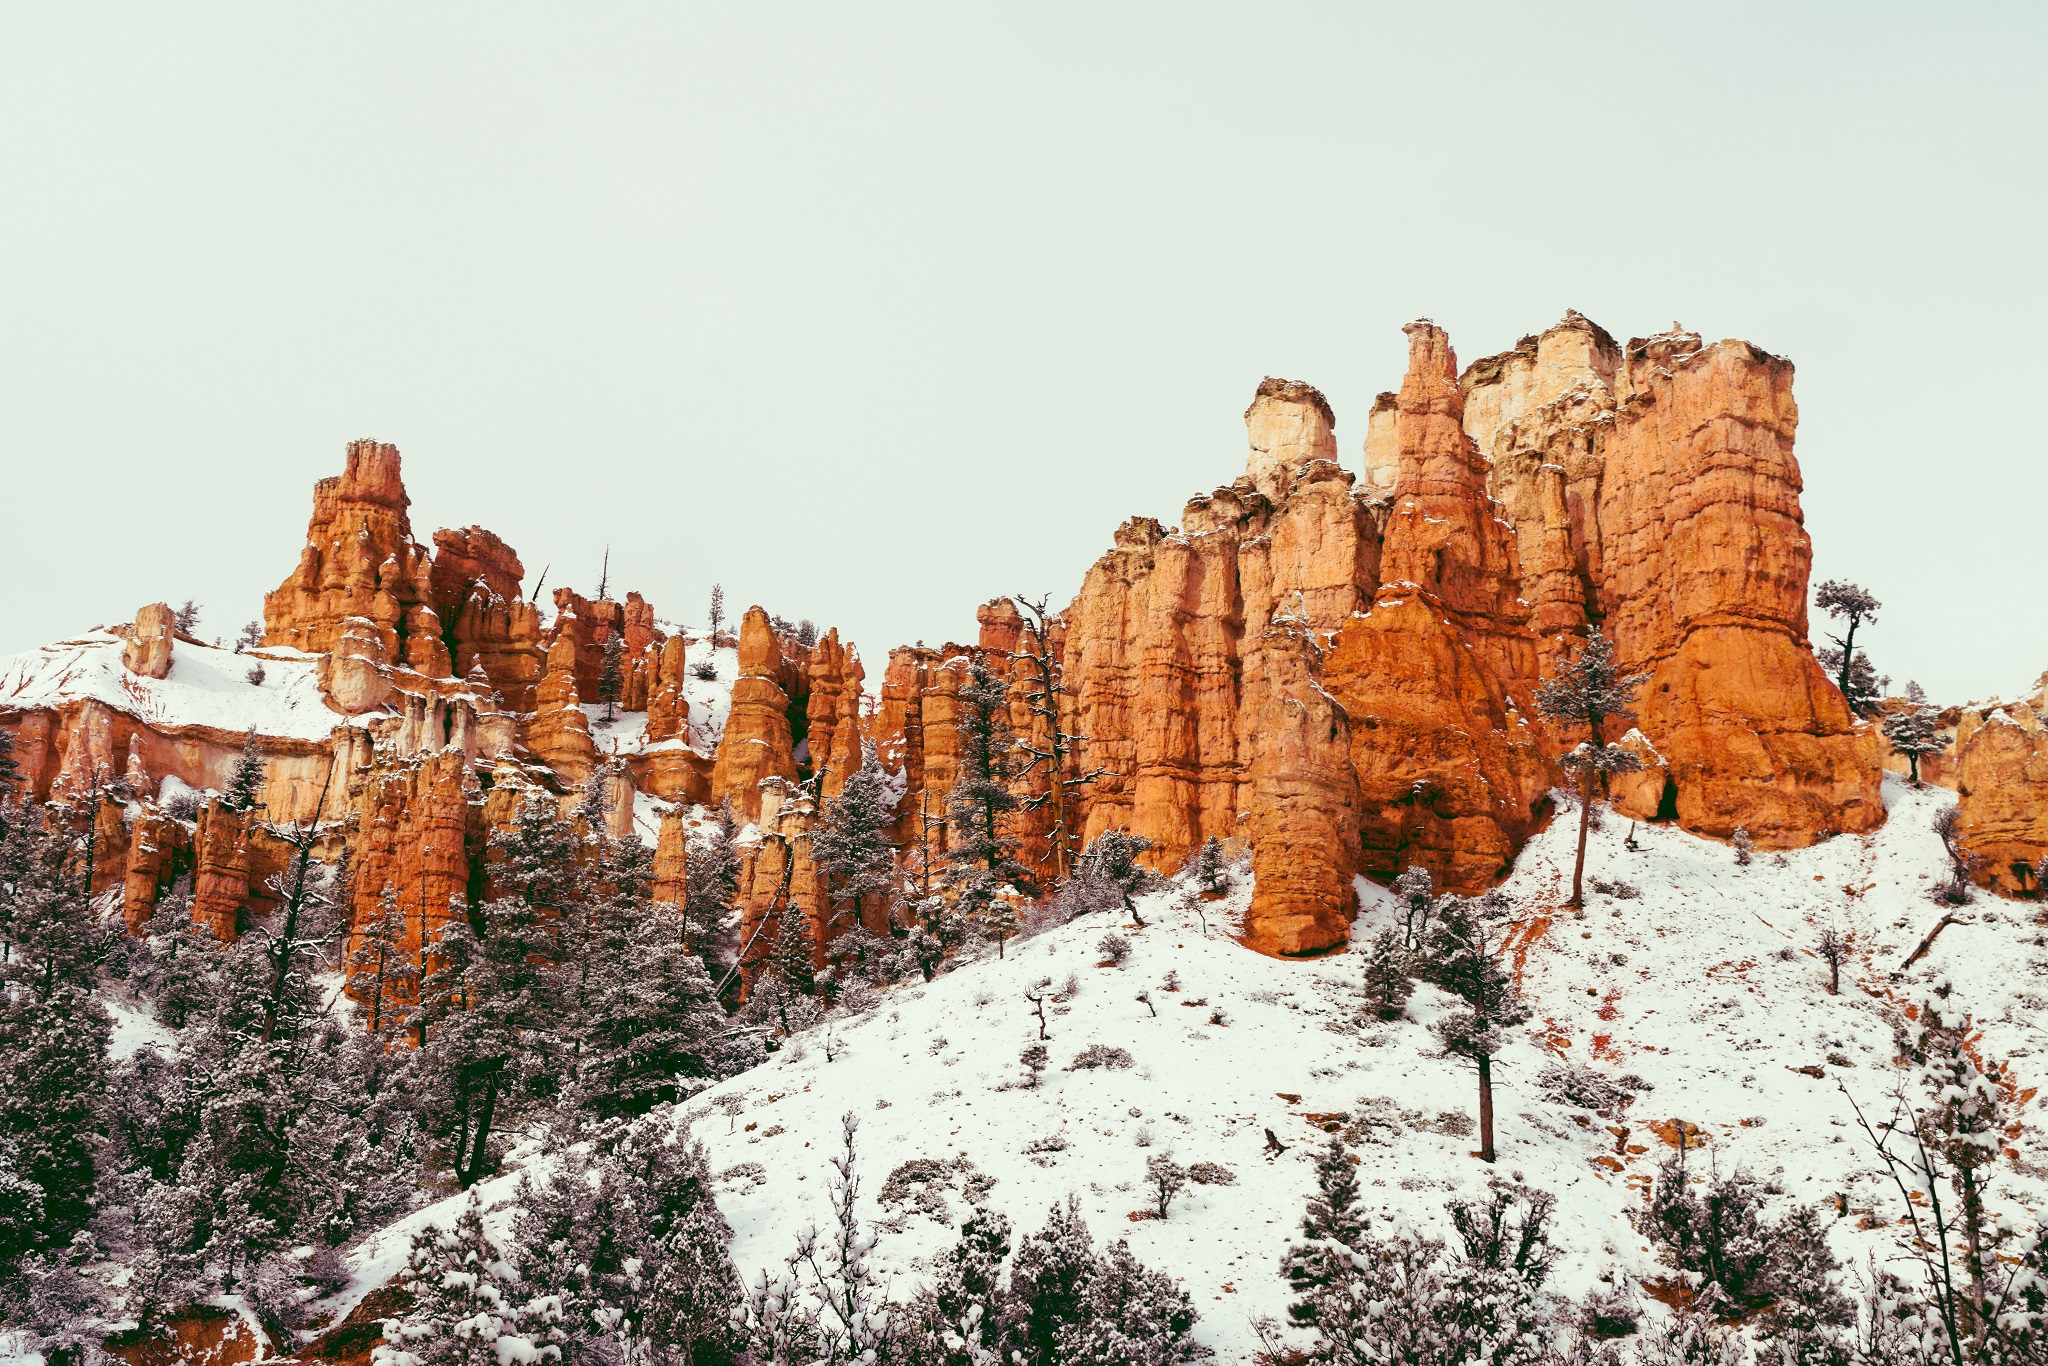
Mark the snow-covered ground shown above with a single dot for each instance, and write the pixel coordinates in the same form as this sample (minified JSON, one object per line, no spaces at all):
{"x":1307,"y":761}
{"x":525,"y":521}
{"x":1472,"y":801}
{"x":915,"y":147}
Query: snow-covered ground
{"x":1704,"y":985}
{"x":710,"y":702}
{"x":205,"y":687}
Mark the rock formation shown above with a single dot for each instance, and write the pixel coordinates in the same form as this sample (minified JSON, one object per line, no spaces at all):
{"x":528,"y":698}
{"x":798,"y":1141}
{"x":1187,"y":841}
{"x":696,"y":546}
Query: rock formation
{"x":2002,"y":790}
{"x":559,"y":733}
{"x":420,"y":829}
{"x":361,"y":561}
{"x":757,"y":742}
{"x":220,"y":871}
{"x":832,"y":737}
{"x":672,"y":859}
{"x":154,"y":847}
{"x":1301,"y":801}
{"x":475,"y":583}
{"x":148,"y":651}
{"x":1567,"y":485}
{"x":1451,"y":768}
{"x":1654,"y":492}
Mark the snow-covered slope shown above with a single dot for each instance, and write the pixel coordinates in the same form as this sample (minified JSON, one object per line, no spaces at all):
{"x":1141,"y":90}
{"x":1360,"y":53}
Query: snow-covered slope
{"x":205,"y":687}
{"x":1703,"y":985}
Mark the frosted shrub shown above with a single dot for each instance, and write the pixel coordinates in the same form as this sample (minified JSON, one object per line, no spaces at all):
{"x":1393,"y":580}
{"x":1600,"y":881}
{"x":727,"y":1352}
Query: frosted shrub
{"x":1579,"y":1086}
{"x":1100,"y":1055}
{"x":1114,"y":949}
{"x":1745,"y":847}
{"x":1167,"y":1178}
{"x":859,"y":998}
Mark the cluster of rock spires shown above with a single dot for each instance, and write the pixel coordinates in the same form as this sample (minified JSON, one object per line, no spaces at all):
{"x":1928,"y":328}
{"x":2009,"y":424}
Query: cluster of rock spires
{"x":1333,"y":670}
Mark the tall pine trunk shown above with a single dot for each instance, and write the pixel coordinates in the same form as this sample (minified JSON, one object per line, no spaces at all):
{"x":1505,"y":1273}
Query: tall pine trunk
{"x":1485,"y":1107}
{"x":1973,"y":1246}
{"x":466,"y":1174}
{"x":1579,"y":864}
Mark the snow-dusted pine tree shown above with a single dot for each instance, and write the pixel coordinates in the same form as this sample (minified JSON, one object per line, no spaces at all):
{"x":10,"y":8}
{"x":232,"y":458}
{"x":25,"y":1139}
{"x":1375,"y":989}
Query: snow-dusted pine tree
{"x":850,"y":841}
{"x":1854,"y":606}
{"x":381,"y":975}
{"x":468,"y":1309}
{"x":245,"y":780}
{"x":1915,"y":729}
{"x":1589,"y":691}
{"x":1465,"y":961}
{"x":611,"y":678}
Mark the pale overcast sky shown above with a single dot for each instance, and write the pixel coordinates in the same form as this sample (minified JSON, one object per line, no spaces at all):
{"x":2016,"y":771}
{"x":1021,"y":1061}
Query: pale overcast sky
{"x":873,"y":312}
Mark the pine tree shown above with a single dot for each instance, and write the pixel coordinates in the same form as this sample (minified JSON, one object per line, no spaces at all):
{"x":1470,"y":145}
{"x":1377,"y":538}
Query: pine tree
{"x":1167,"y":1178}
{"x":251,"y":635}
{"x":1865,"y":687}
{"x":1808,"y":1307}
{"x":1588,"y":691}
{"x":55,"y":940}
{"x":1466,"y":964}
{"x":245,"y":781}
{"x":710,"y":888}
{"x":999,"y":922}
{"x":467,"y":1306}
{"x":1212,"y":876}
{"x":979,"y":807}
{"x":791,"y":959}
{"x":957,"y":1320}
{"x":538,"y":859}
{"x":1110,"y":876}
{"x":1048,"y":1285}
{"x":495,"y":1002}
{"x":1915,"y":729}
{"x":1846,"y":602}
{"x":1965,"y":1122}
{"x":1065,"y":1303}
{"x":652,"y":1028}
{"x":850,"y":841}
{"x":380,"y":974}
{"x":177,"y":962}
{"x":1051,"y":745}
{"x":186,"y":619}
{"x":1416,"y":890}
{"x":1833,"y":948}
{"x":1132,"y":1315}
{"x":1717,"y":1231}
{"x":1388,"y":983}
{"x":1495,"y":1312}
{"x":717,"y":612}
{"x":10,"y":770}
{"x":53,"y":1076}
{"x":611,"y":679}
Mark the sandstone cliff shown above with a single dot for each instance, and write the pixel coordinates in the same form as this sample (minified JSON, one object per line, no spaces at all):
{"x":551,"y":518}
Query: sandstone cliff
{"x":2002,"y":789}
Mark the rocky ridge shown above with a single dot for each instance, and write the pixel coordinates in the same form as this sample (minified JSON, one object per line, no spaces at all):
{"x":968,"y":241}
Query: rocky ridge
{"x":1331,"y":668}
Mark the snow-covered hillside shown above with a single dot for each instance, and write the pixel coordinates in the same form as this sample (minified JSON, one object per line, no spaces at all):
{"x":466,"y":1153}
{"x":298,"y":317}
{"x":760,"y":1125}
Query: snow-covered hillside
{"x":1702,"y":983}
{"x":205,"y":687}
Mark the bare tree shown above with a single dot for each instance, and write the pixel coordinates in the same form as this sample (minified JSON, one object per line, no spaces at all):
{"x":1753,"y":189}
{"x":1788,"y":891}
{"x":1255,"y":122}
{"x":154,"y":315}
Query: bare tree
{"x":1037,"y":996}
{"x":1915,"y":1170}
{"x":1833,"y":948}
